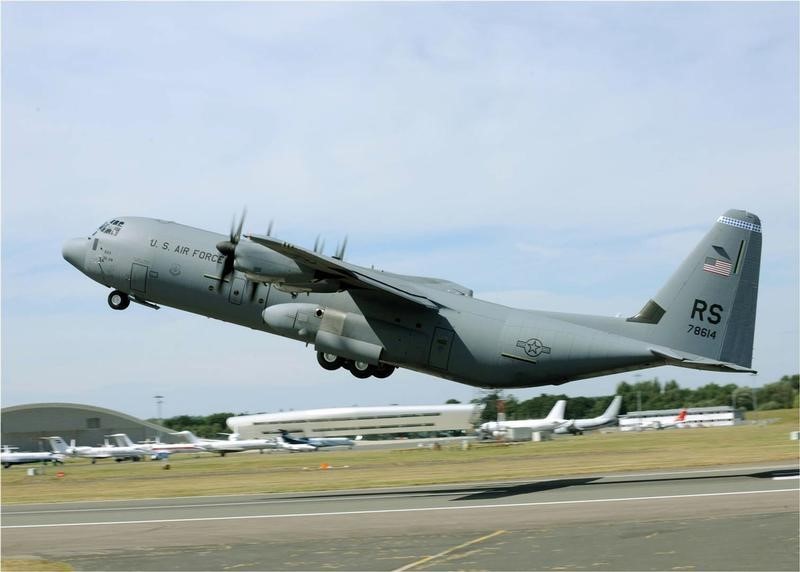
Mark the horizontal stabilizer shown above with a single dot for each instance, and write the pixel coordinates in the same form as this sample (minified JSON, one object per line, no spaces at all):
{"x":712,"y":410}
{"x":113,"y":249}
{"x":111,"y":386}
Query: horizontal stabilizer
{"x":697,"y":362}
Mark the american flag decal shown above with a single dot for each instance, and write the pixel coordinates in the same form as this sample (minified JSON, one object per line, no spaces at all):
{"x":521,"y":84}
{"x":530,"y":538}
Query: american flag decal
{"x":717,"y":266}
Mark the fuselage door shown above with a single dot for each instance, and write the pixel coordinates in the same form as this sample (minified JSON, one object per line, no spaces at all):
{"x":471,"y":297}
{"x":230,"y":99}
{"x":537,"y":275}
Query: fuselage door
{"x":440,"y":348}
{"x":237,"y":289}
{"x":139,"y":278}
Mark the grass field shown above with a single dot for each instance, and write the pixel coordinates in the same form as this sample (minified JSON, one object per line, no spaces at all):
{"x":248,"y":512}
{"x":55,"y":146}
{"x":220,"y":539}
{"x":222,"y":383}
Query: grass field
{"x":764,"y":441}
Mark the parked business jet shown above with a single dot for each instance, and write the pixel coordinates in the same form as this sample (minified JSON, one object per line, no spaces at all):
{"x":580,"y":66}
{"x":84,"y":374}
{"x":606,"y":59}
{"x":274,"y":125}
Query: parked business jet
{"x":294,"y":447}
{"x":253,"y":444}
{"x":223,"y":446}
{"x":119,"y":454}
{"x":157,"y":449}
{"x":9,"y":457}
{"x":554,"y":420}
{"x":319,"y":442}
{"x":607,"y":419}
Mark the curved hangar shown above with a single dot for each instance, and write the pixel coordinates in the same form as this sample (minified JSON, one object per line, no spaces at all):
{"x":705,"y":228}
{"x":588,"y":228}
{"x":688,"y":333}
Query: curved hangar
{"x":24,"y":425}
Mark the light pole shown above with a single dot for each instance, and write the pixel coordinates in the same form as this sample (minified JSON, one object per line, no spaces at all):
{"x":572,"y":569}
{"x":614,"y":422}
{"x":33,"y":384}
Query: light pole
{"x":159,"y":400}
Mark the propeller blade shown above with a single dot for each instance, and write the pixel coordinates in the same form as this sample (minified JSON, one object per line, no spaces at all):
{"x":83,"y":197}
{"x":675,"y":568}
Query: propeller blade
{"x":235,"y":237}
{"x":340,"y":250}
{"x":228,"y":248}
{"x":269,"y":228}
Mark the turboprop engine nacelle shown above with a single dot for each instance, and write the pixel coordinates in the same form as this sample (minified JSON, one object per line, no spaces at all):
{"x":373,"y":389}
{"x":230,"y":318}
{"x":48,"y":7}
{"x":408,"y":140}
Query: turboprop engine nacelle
{"x":344,"y":334}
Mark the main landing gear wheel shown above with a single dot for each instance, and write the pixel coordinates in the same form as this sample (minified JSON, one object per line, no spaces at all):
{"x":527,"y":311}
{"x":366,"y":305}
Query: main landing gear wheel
{"x":361,"y":369}
{"x":118,"y":300}
{"x":383,"y":371}
{"x":329,"y":361}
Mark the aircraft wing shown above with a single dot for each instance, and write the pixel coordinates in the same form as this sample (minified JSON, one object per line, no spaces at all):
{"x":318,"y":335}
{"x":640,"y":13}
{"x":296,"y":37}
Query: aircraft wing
{"x":350,"y":275}
{"x":673,"y":357}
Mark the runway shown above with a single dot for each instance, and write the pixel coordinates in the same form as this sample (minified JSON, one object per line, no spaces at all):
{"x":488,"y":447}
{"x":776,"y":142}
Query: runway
{"x":722,"y":519}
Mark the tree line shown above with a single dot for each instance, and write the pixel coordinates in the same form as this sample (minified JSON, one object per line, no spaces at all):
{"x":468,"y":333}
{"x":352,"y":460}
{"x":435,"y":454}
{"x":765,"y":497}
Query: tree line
{"x":644,"y":395}
{"x":647,"y":395}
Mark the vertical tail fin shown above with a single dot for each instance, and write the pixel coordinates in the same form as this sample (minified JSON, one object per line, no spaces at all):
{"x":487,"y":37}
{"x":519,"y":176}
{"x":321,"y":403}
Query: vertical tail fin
{"x":189,"y":436}
{"x":122,"y":440}
{"x":58,"y":445}
{"x":558,"y":410}
{"x":708,"y":306}
{"x":613,"y":408}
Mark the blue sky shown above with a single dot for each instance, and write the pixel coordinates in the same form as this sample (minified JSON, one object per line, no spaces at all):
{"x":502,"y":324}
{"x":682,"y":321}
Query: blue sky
{"x":560,"y":156}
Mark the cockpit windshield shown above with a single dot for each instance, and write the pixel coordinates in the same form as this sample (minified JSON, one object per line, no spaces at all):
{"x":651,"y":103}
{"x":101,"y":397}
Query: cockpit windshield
{"x":111,"y":227}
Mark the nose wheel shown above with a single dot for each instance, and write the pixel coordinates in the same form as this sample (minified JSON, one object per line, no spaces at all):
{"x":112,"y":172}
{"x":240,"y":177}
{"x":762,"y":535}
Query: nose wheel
{"x":118,"y":300}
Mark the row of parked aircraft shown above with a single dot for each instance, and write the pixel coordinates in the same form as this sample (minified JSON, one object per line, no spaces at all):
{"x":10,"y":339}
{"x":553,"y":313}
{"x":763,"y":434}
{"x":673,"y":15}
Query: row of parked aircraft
{"x":556,"y":423}
{"x":123,"y":448}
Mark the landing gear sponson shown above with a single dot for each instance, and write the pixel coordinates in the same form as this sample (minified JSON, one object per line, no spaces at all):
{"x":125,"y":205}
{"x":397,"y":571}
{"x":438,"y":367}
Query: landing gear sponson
{"x":360,"y":369}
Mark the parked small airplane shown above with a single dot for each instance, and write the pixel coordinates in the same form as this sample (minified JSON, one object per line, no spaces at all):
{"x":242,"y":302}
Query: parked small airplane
{"x":12,"y":456}
{"x":295,"y":447}
{"x":253,"y":444}
{"x":607,"y":419}
{"x":554,"y":420}
{"x":224,"y":446}
{"x":156,"y":449}
{"x":371,"y":322}
{"x":319,"y":442}
{"x":119,"y":454}
{"x":678,"y":421}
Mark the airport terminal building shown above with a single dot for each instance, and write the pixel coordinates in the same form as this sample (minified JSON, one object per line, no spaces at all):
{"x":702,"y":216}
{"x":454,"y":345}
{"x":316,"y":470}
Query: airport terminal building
{"x":353,"y":421}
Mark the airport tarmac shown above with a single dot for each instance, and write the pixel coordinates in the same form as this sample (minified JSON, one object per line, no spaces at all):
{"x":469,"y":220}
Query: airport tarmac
{"x":737,"y":518}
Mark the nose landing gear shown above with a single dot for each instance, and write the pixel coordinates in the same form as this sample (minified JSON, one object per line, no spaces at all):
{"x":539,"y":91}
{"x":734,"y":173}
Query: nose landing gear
{"x":118,"y":300}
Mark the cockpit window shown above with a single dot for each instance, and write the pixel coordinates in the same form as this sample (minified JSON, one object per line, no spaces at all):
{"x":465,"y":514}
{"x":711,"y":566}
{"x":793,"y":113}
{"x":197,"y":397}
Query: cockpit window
{"x":111,"y":227}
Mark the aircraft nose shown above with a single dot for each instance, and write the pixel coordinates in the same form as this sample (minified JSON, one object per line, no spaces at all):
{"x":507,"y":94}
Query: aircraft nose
{"x":74,"y":252}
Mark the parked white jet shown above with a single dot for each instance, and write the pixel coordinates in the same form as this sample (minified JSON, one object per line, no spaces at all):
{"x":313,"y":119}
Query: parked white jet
{"x":157,"y":449}
{"x":319,"y":442}
{"x":9,"y":457}
{"x":253,"y":444}
{"x":295,"y":447}
{"x":607,"y":419}
{"x":554,"y":420}
{"x":103,"y":452}
{"x":223,"y":446}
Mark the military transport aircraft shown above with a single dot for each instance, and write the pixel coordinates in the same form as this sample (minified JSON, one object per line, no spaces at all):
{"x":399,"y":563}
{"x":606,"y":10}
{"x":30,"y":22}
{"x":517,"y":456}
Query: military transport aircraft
{"x":371,"y":322}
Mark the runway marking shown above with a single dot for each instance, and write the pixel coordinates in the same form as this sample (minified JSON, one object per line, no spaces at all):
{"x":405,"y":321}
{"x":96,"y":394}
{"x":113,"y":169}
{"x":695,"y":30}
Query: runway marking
{"x":786,"y":478}
{"x":449,"y":550}
{"x":397,"y":510}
